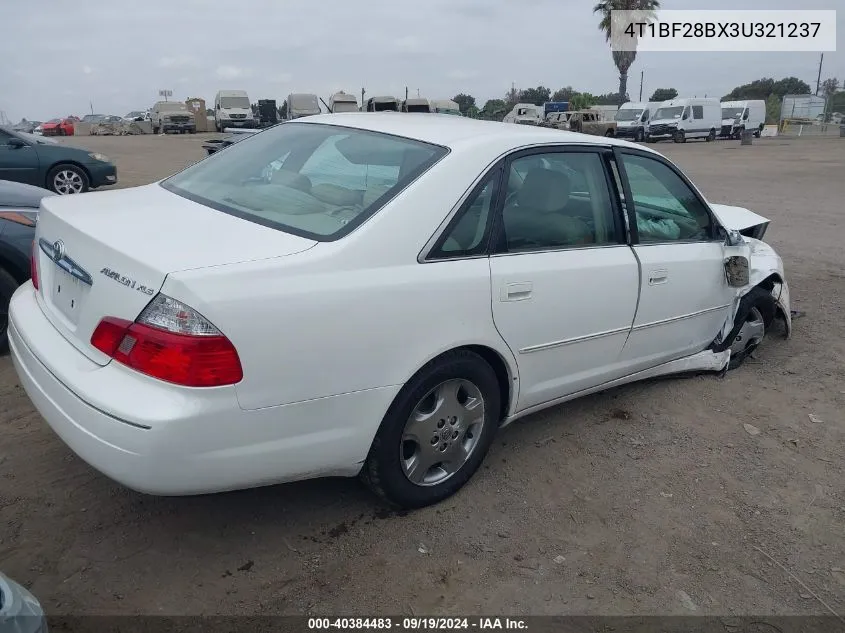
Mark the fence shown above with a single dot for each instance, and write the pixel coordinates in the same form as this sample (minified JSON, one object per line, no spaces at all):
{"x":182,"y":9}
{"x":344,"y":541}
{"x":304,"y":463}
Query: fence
{"x":802,"y":128}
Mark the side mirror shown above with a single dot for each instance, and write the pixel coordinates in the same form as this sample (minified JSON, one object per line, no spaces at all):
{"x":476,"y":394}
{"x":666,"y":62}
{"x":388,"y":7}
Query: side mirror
{"x":732,"y":237}
{"x":16,"y":143}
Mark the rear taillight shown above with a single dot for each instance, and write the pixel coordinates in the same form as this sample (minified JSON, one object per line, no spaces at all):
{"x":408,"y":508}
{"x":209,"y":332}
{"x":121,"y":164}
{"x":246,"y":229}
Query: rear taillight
{"x":172,"y":342}
{"x":33,"y":265}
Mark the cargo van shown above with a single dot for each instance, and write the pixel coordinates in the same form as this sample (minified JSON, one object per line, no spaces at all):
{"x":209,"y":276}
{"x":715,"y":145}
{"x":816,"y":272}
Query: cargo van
{"x":232,"y":109}
{"x":681,"y":119}
{"x":632,"y":119}
{"x":343,"y":102}
{"x":416,"y":105}
{"x":382,"y":104}
{"x":302,"y":104}
{"x":446,"y":106}
{"x":738,"y":116}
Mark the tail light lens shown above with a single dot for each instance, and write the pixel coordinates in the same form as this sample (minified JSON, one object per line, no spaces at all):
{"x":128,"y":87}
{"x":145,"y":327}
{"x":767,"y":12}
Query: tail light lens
{"x":33,"y":265}
{"x":171,"y":341}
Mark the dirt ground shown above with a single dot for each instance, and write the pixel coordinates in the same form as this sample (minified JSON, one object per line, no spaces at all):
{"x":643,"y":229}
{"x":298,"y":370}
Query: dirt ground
{"x":648,"y":499}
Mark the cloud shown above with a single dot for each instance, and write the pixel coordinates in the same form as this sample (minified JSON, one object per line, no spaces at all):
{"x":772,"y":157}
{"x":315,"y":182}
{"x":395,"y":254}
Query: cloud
{"x":228,"y":71}
{"x":441,"y":47}
{"x":180,"y":61}
{"x":461,"y":74}
{"x":407,"y":44}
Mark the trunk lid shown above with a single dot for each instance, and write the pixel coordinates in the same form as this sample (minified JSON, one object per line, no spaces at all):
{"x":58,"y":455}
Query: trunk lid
{"x":108,"y":254}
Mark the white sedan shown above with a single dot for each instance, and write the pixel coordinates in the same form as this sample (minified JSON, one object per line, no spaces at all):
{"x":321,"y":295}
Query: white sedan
{"x":374,"y":294}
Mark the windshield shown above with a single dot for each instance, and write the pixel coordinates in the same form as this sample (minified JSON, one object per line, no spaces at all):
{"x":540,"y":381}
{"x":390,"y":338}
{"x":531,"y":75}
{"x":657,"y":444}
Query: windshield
{"x":234,"y":102}
{"x":731,"y":113}
{"x":171,"y":107}
{"x":313,"y":180}
{"x":344,"y":106}
{"x":669,"y":113}
{"x":449,"y":111}
{"x":628,"y":114}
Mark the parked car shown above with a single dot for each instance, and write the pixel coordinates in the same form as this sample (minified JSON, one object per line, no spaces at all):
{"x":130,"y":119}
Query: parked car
{"x":213,"y":145}
{"x":377,"y":307}
{"x":42,"y":162}
{"x":589,"y":122}
{"x":57,"y":127}
{"x":18,"y":213}
{"x":26,"y":126}
{"x":137,"y":115}
{"x":20,"y":611}
{"x":172,"y":116}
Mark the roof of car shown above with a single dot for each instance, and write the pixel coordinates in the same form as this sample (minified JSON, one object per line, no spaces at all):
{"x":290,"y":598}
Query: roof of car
{"x":449,"y":131}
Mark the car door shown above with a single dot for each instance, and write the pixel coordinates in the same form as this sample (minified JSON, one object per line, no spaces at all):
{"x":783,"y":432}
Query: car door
{"x":685,"y":298}
{"x":18,"y":163}
{"x":564,"y":284}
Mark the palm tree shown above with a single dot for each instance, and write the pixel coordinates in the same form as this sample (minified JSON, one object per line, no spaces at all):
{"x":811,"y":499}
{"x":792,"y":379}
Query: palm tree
{"x":622,"y":59}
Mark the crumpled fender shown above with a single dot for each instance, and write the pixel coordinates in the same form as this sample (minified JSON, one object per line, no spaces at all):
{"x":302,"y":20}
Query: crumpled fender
{"x":764,"y":263}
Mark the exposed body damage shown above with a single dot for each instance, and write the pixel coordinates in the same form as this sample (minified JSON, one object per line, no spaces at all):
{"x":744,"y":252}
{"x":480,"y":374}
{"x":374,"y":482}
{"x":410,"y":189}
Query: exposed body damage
{"x":764,"y":270}
{"x":765,"y":267}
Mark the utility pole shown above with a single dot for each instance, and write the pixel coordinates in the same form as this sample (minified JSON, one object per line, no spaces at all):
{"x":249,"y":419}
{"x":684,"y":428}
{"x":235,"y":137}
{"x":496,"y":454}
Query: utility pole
{"x":363,"y":105}
{"x":642,"y":74}
{"x":819,"y":80}
{"x":406,"y":93}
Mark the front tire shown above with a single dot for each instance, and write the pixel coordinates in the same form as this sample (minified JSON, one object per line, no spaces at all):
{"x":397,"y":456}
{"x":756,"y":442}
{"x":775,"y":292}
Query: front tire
{"x":712,"y":136}
{"x":68,"y":179}
{"x":639,"y":136}
{"x":754,"y":317}
{"x":8,"y":285}
{"x":609,"y":134}
{"x":679,"y":137}
{"x":738,"y":133}
{"x":436,"y":432}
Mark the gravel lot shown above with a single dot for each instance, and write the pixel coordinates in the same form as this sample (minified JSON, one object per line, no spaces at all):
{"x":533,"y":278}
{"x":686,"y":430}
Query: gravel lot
{"x":649,"y":499}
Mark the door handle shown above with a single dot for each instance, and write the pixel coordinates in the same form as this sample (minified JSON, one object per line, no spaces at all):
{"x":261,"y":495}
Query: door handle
{"x":517,"y":291}
{"x":657,"y":277}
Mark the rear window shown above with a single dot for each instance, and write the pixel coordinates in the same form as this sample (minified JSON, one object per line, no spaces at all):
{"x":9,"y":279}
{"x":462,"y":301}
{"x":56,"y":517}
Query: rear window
{"x":313,"y":180}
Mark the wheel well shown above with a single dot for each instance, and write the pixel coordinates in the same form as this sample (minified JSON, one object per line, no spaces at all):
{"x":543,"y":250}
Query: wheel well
{"x":503,"y":376}
{"x":66,"y":162}
{"x":15,"y":271}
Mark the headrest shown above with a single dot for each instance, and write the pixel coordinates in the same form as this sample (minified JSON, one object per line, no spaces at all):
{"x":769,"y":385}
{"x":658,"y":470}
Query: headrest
{"x":545,"y":190}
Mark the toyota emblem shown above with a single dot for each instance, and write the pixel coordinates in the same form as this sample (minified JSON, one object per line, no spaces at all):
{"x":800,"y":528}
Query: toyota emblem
{"x":58,"y":250}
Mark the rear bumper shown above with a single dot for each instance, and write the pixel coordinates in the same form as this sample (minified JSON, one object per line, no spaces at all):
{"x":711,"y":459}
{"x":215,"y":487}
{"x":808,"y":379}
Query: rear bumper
{"x":163,"y":439}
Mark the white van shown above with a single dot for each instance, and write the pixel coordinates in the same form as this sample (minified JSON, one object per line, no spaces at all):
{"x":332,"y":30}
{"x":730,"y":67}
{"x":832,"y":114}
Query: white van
{"x":232,"y":109}
{"x":417,"y":104}
{"x":738,"y":116}
{"x":632,"y":118}
{"x":302,"y":104}
{"x":382,"y":104}
{"x":680,"y":119}
{"x":445,"y":106}
{"x":343,"y":102}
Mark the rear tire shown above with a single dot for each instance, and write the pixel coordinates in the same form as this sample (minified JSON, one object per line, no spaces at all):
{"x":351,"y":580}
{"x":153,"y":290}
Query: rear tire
{"x":8,"y":285}
{"x":402,"y":466}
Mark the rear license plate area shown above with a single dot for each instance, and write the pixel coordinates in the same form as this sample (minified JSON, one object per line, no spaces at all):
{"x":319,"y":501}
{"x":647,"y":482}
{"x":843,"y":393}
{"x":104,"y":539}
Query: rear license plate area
{"x":68,"y":294}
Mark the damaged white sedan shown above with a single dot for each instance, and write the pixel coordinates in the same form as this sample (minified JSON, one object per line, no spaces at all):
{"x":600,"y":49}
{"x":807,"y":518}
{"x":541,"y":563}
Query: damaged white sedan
{"x":376,"y":295}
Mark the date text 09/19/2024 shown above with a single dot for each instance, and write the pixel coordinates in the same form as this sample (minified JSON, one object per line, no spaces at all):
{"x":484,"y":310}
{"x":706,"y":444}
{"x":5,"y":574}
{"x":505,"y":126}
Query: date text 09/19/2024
{"x":416,"y":624}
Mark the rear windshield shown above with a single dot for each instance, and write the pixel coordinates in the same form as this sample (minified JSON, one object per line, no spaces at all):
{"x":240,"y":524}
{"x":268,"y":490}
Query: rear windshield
{"x":313,"y":180}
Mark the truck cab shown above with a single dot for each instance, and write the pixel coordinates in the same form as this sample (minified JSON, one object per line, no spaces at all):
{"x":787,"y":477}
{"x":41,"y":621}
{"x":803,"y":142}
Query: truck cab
{"x":416,"y":105}
{"x":172,"y":116}
{"x":232,"y":109}
{"x":343,"y":102}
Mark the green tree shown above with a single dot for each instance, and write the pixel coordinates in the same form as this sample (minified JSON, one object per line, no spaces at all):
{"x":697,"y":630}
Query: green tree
{"x":464,"y":101}
{"x":581,"y":101}
{"x":829,"y":87}
{"x":494,"y":110}
{"x":564,"y":94}
{"x":772,"y":109}
{"x":762,"y":88}
{"x":283,"y":109}
{"x":622,"y":59}
{"x":663,"y":94}
{"x":537,"y":96}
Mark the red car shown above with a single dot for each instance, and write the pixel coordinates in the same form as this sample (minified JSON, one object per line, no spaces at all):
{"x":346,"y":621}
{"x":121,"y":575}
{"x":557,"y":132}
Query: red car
{"x":57,"y":127}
